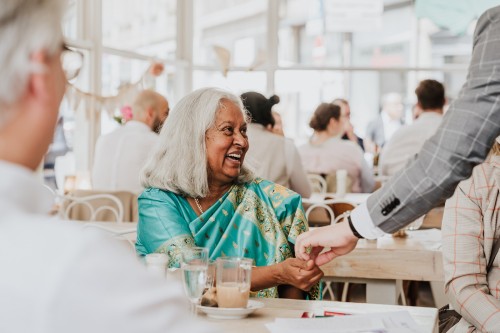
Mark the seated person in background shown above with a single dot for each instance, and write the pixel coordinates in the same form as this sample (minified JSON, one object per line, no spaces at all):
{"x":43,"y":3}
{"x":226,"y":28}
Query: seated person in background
{"x":274,"y":157}
{"x":390,"y":119}
{"x":120,"y":155}
{"x":408,"y":140}
{"x":349,"y":134}
{"x":470,"y":228}
{"x":278,"y":124}
{"x":57,"y":277}
{"x":326,"y":152}
{"x":200,"y":193}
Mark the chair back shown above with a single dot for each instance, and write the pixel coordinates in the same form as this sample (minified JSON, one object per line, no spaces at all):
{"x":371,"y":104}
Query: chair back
{"x":98,"y":207}
{"x":327,"y":211}
{"x":317,"y":182}
{"x":81,"y":211}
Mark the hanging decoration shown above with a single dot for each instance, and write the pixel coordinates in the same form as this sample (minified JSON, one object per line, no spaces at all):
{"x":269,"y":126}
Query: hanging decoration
{"x":125,"y":96}
{"x":223,"y":56}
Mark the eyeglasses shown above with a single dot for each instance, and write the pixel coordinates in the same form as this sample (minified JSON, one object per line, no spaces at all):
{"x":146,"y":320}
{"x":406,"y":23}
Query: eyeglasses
{"x":72,"y":62}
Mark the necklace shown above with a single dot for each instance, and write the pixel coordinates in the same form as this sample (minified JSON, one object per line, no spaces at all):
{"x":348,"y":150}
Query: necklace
{"x":198,"y":205}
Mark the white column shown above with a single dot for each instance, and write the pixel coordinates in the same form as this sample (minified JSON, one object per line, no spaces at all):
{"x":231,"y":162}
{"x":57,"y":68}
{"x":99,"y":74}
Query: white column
{"x":184,"y":49}
{"x":272,"y":43}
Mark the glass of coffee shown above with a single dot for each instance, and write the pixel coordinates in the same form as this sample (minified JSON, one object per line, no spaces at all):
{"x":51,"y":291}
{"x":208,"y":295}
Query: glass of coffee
{"x":233,"y":281}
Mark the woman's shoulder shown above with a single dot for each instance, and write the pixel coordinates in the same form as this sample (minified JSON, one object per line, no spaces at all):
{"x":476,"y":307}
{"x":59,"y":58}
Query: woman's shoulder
{"x":271,"y":189}
{"x":484,"y":173}
{"x":157,"y":193}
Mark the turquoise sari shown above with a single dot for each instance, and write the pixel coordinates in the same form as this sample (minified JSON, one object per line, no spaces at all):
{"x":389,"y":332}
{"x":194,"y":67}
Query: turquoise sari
{"x":259,"y":220}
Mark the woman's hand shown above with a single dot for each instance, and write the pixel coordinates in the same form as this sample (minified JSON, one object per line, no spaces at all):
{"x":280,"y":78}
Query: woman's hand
{"x":299,"y":273}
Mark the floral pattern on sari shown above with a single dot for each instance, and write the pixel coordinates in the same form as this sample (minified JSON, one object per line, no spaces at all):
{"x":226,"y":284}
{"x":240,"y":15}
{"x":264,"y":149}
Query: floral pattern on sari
{"x":173,"y":249}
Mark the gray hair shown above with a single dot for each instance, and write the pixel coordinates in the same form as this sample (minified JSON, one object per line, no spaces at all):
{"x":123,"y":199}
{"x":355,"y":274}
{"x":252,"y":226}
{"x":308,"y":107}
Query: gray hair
{"x":26,"y":26}
{"x":179,"y":161}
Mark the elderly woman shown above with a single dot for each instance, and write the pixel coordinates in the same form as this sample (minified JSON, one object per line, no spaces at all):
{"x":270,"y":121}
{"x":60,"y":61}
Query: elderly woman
{"x":199,"y":193}
{"x":471,"y":226}
{"x":326,"y":152}
{"x":275,"y":157}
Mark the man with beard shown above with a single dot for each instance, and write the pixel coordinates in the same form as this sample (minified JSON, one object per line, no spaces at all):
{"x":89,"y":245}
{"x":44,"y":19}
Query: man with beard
{"x":120,"y":155}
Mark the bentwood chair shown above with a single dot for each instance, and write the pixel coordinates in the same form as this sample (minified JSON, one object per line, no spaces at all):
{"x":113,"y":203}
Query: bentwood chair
{"x":317,"y":182}
{"x":328,"y":211}
{"x":97,"y":207}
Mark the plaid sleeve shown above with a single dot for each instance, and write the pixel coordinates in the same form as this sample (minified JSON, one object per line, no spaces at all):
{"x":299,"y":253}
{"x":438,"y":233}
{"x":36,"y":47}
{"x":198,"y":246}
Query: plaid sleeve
{"x":467,"y":236}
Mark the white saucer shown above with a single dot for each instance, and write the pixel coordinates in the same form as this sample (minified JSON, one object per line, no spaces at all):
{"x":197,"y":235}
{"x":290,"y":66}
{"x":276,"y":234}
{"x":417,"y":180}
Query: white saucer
{"x":231,"y":313}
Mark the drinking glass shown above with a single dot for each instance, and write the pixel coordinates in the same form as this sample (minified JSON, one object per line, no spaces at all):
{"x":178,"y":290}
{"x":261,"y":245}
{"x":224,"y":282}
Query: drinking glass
{"x":194,"y":267}
{"x":233,"y":282}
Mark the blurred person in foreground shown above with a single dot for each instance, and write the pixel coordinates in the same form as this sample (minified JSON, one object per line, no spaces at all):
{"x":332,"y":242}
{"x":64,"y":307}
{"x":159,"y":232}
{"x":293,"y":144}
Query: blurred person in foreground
{"x":470,"y":230}
{"x":206,"y":196}
{"x":120,"y":155}
{"x":463,"y":140}
{"x":56,"y":277}
{"x":274,"y":157}
{"x":409,"y":139}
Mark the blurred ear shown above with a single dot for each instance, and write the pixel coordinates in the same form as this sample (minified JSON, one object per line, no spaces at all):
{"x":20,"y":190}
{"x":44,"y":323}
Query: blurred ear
{"x":38,"y":80}
{"x":151,"y":113}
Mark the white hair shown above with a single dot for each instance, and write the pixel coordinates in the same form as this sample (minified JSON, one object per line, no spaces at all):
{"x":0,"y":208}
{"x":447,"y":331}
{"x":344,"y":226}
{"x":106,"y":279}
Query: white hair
{"x":26,"y":26}
{"x":179,"y":161}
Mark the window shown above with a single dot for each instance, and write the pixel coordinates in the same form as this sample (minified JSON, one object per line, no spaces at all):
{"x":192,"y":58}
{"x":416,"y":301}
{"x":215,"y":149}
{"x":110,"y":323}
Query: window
{"x":142,"y":26}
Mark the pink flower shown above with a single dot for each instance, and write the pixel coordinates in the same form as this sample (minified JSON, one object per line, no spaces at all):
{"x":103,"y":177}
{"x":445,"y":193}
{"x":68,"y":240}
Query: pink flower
{"x":126,"y":112}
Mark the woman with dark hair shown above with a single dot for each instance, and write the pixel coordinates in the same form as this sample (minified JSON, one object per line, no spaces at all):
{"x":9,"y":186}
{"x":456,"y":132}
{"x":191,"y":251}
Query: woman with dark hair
{"x":326,"y":152}
{"x":273,"y":157}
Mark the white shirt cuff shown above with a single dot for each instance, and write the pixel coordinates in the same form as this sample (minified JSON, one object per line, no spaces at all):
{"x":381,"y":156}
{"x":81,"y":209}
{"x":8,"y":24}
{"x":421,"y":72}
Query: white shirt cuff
{"x":363,"y":223}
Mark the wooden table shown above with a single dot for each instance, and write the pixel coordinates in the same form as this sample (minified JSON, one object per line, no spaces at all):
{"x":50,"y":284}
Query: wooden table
{"x":426,"y":318}
{"x":383,"y":263}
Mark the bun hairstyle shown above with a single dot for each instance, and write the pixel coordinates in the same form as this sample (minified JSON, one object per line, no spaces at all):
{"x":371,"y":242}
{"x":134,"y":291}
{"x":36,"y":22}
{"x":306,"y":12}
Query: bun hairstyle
{"x":321,"y":117}
{"x":259,"y":107}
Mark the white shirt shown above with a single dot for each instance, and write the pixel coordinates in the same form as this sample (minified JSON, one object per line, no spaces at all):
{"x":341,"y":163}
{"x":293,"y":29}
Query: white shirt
{"x":120,"y":156}
{"x":390,"y":126}
{"x":276,"y":158}
{"x":407,"y":142}
{"x":57,"y":278}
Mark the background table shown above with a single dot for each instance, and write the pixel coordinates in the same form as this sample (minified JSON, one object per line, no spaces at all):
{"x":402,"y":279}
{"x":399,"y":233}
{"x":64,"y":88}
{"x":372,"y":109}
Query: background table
{"x":383,"y":263}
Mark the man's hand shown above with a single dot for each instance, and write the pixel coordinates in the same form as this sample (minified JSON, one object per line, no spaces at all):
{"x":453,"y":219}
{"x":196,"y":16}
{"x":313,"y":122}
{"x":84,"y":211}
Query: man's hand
{"x":339,"y":238}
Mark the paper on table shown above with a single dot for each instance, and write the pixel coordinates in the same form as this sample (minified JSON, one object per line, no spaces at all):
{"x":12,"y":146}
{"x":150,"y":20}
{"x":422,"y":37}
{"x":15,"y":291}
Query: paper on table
{"x":386,"y":322}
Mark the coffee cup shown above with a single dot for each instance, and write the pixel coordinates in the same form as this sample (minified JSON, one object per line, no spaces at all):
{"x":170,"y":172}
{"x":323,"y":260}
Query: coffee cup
{"x":233,"y":281}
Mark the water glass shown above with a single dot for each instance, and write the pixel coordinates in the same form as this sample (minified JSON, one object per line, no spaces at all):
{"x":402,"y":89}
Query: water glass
{"x":194,"y":267}
{"x":233,"y":282}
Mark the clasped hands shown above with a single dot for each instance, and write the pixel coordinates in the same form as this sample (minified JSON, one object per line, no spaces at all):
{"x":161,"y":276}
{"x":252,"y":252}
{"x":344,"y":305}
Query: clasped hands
{"x":302,"y":274}
{"x":338,"y":238}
